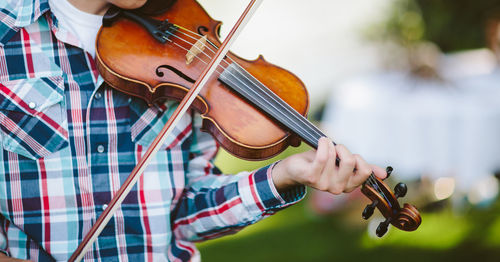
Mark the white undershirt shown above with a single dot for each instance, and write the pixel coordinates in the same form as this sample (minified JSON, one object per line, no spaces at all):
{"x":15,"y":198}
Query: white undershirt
{"x":82,"y":25}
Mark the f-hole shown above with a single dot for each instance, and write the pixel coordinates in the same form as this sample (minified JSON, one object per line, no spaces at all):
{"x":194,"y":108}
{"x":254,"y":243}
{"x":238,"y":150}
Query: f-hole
{"x":160,"y":73}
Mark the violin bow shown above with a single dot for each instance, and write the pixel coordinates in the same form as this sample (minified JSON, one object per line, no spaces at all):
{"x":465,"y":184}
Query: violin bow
{"x":186,"y":102}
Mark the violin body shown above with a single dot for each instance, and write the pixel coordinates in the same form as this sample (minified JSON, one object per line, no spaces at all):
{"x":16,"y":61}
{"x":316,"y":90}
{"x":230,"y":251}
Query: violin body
{"x":137,"y":64}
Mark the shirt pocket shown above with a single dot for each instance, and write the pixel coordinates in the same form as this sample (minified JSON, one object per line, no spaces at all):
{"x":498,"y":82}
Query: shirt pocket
{"x":147,"y":122}
{"x":33,"y":117}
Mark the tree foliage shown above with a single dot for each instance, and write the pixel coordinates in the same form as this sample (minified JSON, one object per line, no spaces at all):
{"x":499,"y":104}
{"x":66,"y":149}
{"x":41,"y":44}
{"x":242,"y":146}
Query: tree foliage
{"x":457,"y":24}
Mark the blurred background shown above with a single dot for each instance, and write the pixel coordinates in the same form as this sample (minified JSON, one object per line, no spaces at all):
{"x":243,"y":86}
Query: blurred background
{"x":409,"y":83}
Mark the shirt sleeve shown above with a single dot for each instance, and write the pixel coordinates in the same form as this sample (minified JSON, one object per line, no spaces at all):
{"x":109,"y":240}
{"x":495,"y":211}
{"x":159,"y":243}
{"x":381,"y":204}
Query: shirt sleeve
{"x":216,"y":204}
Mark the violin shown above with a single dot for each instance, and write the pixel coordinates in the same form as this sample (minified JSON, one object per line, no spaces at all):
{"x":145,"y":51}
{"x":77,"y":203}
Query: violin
{"x":254,"y":109}
{"x":165,"y":54}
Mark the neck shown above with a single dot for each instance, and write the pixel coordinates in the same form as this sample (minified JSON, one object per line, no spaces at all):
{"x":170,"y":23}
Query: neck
{"x":97,"y":7}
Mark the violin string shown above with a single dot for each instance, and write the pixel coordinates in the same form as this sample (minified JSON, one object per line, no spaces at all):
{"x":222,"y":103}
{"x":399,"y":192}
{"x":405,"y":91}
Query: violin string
{"x":370,"y":179}
{"x":196,"y":39}
{"x":195,"y":36}
{"x":262,"y":104}
{"x":197,"y":57}
{"x":289,"y":109}
{"x":281,"y":107}
{"x":311,"y":137}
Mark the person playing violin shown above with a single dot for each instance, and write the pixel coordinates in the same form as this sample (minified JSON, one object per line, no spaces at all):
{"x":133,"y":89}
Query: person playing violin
{"x":69,"y":141}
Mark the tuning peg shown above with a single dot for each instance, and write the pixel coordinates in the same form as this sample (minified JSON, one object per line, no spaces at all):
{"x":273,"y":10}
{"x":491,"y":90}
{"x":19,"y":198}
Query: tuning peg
{"x":368,"y":211}
{"x":388,"y":170}
{"x":400,"y":190}
{"x":382,"y":227}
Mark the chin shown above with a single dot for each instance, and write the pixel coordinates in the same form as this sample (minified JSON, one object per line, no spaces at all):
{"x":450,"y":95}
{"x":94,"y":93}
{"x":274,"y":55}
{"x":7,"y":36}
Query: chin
{"x":128,"y":4}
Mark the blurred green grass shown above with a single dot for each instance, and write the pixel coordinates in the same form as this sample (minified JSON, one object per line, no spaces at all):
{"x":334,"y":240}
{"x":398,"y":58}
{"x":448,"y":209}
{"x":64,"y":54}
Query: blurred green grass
{"x":295,"y":234}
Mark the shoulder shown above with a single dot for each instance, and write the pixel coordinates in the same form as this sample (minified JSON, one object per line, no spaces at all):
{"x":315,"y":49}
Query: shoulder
{"x":24,"y":35}
{"x":30,"y":52}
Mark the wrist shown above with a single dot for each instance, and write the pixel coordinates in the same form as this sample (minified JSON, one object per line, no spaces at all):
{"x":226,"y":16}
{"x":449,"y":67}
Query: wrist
{"x":281,"y":179}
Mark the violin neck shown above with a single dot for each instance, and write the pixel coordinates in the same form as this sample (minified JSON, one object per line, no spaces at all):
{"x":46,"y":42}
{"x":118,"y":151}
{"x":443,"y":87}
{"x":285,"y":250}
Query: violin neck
{"x":243,"y":83}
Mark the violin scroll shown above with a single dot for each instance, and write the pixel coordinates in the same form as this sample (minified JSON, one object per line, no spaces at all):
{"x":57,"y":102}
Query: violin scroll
{"x":406,"y":218}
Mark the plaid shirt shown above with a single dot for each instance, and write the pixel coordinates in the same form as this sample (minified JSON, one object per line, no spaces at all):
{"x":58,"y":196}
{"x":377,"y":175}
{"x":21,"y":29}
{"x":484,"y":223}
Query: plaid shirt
{"x":69,"y":141}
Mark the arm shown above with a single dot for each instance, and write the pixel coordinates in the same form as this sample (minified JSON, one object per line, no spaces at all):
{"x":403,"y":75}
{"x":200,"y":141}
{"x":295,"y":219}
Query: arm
{"x":214,"y":204}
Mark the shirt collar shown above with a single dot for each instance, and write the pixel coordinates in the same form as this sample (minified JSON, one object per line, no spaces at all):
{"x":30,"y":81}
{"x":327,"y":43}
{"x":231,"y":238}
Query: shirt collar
{"x":19,"y":13}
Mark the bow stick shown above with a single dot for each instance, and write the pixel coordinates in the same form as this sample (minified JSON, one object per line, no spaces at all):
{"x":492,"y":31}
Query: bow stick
{"x":131,"y":180}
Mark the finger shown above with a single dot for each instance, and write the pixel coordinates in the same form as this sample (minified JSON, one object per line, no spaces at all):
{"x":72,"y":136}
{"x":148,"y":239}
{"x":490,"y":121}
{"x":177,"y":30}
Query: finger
{"x":379,"y":172}
{"x":329,"y":169}
{"x":320,"y":159}
{"x":346,"y":168}
{"x":363,"y":171}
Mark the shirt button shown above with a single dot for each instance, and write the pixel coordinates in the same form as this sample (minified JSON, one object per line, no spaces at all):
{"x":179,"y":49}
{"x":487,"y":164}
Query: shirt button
{"x":32,"y":105}
{"x":100,"y":148}
{"x":98,"y":95}
{"x":104,"y":207}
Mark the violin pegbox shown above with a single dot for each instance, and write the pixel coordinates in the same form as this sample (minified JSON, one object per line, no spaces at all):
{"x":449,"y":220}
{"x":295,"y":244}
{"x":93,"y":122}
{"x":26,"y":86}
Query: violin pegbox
{"x":406,"y":218}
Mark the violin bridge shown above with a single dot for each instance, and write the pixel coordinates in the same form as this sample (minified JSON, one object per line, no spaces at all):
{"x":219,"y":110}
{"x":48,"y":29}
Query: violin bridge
{"x":196,"y":49}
